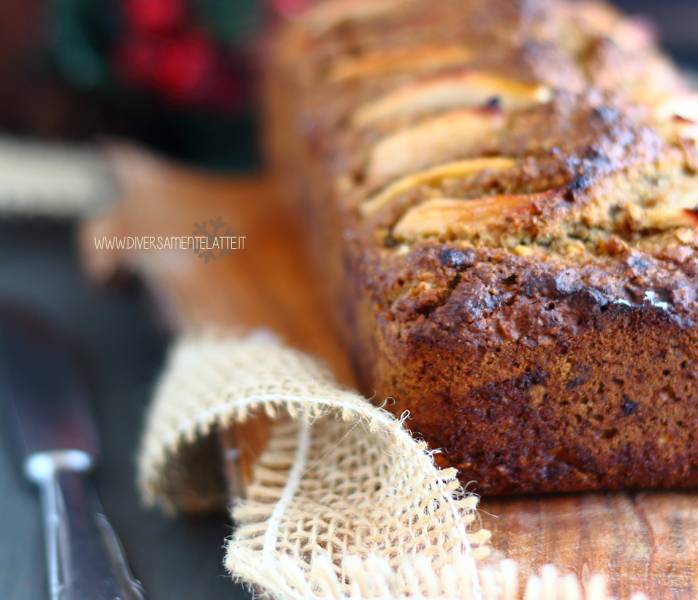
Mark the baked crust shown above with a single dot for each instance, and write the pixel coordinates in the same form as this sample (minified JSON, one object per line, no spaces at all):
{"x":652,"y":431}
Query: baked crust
{"x":528,"y":295}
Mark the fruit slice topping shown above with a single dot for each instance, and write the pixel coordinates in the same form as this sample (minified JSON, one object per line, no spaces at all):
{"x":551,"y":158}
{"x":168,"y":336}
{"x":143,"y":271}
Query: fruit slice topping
{"x":454,"y":217}
{"x":414,"y":60}
{"x":433,"y":141}
{"x":434,"y":176}
{"x":462,"y":90}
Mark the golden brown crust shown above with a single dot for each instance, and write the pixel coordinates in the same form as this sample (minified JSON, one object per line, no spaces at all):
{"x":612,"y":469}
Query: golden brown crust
{"x":482,"y":223}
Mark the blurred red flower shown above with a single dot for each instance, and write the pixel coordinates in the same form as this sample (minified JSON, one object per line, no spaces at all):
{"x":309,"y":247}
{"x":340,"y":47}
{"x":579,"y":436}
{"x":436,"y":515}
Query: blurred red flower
{"x":163,"y":50}
{"x":185,"y":66}
{"x":154,"y":16}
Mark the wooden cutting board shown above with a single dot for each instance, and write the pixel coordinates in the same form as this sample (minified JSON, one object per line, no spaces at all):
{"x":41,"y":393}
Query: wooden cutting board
{"x":643,"y":541}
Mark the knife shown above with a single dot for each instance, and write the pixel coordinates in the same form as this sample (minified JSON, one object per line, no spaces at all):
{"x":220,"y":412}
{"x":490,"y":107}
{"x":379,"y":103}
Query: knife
{"x":46,"y":401}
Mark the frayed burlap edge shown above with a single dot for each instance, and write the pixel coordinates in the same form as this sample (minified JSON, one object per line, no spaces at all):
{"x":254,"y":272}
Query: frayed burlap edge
{"x":344,"y":503}
{"x":342,"y":489}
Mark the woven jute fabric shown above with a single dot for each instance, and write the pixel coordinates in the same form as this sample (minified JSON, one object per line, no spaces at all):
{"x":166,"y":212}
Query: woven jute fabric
{"x":344,"y":502}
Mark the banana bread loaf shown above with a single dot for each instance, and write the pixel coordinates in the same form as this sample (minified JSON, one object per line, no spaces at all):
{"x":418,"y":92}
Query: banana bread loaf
{"x":500,"y":196}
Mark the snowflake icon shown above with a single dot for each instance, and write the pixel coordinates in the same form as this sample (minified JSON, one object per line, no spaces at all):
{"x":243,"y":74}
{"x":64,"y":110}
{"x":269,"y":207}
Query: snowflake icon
{"x":207,"y":241}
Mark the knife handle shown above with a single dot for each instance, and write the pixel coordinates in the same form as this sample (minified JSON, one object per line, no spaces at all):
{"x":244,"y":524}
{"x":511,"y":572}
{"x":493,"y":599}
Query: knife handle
{"x":85,"y":558}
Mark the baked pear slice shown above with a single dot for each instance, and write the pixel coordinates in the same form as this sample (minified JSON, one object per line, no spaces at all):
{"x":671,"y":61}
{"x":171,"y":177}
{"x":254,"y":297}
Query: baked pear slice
{"x":401,"y":60}
{"x":454,"y":217}
{"x":433,"y":141}
{"x":434,"y":176}
{"x":461,"y":90}
{"x":325,"y":16}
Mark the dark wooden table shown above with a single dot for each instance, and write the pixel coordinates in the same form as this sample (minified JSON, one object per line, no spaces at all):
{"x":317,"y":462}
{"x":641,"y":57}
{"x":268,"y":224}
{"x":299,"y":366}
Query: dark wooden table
{"x":175,"y":559}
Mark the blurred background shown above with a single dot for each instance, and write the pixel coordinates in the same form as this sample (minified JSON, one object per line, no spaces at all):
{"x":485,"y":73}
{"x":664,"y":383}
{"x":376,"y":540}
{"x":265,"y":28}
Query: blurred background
{"x":180,"y":77}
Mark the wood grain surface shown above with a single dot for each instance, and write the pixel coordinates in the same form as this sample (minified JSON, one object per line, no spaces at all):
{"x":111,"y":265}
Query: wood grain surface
{"x":644,"y":541}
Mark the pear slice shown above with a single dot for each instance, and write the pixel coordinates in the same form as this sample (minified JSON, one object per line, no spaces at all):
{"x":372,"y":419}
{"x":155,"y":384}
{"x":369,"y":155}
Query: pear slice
{"x":462,"y":90}
{"x":453,"y":216}
{"x":679,"y":105}
{"x":679,"y":211}
{"x":668,"y":218}
{"x":326,"y":15}
{"x":434,"y":176}
{"x":687,"y":130}
{"x":415,"y":60}
{"x":433,"y":141}
{"x":676,"y":129}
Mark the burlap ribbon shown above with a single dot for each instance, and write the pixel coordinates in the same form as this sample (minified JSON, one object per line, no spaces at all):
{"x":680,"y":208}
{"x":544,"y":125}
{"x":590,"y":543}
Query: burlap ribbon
{"x":345,"y":503}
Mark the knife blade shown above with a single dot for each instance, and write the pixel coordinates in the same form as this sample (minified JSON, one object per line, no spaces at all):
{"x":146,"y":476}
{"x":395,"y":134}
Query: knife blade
{"x":46,"y":400}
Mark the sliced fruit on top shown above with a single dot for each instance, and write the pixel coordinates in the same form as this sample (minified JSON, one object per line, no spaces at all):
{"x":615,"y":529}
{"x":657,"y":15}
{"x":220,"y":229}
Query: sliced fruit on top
{"x":462,"y":90}
{"x":400,"y":60}
{"x":679,"y":210}
{"x":668,"y":218}
{"x":434,"y":176}
{"x":677,"y":129}
{"x":449,"y":216}
{"x":679,"y":105}
{"x":435,"y":140}
{"x":327,"y":15}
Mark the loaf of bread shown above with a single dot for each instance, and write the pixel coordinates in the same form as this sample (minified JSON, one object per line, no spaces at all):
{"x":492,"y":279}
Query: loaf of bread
{"x":500,"y":197}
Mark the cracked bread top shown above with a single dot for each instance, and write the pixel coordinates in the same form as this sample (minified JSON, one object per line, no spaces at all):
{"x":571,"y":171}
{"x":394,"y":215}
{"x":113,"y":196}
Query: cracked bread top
{"x":491,"y":159}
